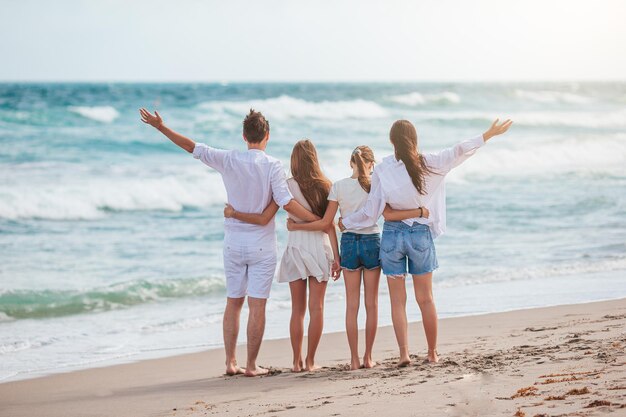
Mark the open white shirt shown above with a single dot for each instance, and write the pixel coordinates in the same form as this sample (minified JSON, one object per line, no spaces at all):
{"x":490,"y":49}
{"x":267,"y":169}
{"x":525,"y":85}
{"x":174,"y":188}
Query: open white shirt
{"x":252,"y":178}
{"x":391,"y":184}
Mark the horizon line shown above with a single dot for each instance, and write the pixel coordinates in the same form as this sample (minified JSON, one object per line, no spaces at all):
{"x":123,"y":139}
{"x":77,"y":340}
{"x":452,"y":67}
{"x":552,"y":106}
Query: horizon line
{"x":338,"y":81}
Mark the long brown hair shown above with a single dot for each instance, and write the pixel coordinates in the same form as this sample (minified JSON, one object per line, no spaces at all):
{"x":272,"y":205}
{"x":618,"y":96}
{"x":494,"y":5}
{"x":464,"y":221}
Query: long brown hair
{"x":306,"y":170}
{"x":403,"y":136}
{"x":360,"y":156}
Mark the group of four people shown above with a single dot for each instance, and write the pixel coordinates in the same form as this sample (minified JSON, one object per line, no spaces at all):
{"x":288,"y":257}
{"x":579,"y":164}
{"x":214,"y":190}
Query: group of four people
{"x":407,"y":188}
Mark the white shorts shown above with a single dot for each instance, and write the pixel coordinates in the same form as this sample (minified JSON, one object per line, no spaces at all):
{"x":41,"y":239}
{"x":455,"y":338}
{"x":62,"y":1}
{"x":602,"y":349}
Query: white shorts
{"x":249,"y":270}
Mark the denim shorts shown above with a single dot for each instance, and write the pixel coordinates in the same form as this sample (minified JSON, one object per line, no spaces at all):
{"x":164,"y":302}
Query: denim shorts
{"x":360,"y":251}
{"x":402,"y":244}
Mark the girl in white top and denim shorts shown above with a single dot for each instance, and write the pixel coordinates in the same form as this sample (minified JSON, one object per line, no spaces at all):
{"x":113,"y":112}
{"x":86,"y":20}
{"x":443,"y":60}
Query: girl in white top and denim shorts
{"x":404,"y":180}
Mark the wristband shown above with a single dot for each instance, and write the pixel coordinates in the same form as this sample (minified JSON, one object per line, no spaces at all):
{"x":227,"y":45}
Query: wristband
{"x":421,"y":212}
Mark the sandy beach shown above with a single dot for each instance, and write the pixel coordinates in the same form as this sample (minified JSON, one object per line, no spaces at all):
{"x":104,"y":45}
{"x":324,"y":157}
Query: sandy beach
{"x":564,"y":360}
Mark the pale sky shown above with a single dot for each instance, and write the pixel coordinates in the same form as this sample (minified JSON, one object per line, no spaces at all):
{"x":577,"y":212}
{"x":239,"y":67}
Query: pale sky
{"x":323,"y":40}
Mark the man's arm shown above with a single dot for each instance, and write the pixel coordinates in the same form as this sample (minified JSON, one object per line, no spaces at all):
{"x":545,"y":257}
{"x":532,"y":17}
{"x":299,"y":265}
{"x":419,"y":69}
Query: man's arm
{"x":397,"y":215}
{"x":215,"y":158}
{"x":254,"y":218}
{"x":283,"y":197}
{"x":156,"y":121}
{"x":319,"y":225}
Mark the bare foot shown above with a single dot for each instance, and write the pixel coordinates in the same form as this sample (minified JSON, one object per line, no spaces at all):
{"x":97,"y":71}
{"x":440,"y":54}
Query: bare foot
{"x":432,"y":357}
{"x":233,"y":369}
{"x":256,"y":371}
{"x":404,"y":362}
{"x":355,"y":364}
{"x":369,"y":363}
{"x":310,"y":366}
{"x":297,"y":367}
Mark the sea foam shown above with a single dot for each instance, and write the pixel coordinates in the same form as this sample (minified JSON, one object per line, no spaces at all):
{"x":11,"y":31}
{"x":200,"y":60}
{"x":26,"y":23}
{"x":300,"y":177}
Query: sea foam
{"x":417,"y":99}
{"x":584,"y":155}
{"x":103,"y":114}
{"x":93,"y":197}
{"x":505,"y":274}
{"x":611,"y":119}
{"x":548,"y":96}
{"x":24,"y":304}
{"x":286,"y":107}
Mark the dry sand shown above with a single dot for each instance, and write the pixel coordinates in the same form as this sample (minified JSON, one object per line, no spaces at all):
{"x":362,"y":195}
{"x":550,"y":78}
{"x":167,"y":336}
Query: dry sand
{"x":554,"y":361}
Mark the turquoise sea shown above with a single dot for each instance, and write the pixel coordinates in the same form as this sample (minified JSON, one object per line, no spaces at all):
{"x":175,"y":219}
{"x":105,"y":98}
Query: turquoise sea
{"x":111,"y":237}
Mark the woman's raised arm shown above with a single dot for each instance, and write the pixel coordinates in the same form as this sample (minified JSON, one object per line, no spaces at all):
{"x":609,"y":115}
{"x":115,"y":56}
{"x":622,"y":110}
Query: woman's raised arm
{"x":443,"y":161}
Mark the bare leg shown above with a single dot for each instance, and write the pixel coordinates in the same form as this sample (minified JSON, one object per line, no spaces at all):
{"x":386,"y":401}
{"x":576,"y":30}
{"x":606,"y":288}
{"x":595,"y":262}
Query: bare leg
{"x":296,"y":325}
{"x":423,"y":285}
{"x":230,"y":327}
{"x":256,"y":328}
{"x":352,"y":281}
{"x":317,"y":291}
{"x":371,"y":279}
{"x":397,"y":295}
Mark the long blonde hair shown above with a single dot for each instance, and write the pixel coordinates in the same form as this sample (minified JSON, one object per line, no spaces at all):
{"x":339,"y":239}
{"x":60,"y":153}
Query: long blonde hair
{"x":403,"y":136}
{"x":361,"y":156}
{"x":305,"y":169}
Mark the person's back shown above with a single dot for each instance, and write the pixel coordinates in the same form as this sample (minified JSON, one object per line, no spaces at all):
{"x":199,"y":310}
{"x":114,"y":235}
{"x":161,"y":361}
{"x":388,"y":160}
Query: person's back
{"x":251,"y":178}
{"x":308,"y":253}
{"x":392,"y":182}
{"x":296,"y":192}
{"x":407,"y":179}
{"x":350,"y":197}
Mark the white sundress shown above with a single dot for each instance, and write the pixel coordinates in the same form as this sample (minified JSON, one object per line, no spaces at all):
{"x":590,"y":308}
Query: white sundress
{"x":308,"y":254}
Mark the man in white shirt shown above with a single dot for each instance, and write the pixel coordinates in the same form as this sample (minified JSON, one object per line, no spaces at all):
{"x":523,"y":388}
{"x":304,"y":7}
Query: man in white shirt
{"x":252,"y":180}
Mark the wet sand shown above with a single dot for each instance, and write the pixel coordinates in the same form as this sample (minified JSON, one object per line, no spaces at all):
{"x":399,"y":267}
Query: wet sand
{"x":553,"y":361}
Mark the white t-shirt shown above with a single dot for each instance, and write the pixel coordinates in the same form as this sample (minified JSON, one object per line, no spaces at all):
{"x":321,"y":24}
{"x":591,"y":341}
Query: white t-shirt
{"x":350,"y":196}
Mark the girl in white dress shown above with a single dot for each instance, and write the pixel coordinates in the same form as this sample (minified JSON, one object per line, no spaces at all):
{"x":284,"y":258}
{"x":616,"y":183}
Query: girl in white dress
{"x":309,"y":256}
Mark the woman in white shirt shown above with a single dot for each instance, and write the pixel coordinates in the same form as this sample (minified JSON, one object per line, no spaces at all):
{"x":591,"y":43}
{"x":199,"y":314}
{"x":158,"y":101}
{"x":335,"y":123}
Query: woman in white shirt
{"x":405,"y":180}
{"x":360,"y":250}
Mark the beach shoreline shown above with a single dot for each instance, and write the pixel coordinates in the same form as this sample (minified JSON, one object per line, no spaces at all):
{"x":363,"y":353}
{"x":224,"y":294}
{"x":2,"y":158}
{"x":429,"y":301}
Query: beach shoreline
{"x":116,"y":254}
{"x":486,"y":359}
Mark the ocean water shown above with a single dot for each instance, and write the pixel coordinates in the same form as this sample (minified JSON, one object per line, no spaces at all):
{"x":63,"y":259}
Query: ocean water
{"x":110,"y":236}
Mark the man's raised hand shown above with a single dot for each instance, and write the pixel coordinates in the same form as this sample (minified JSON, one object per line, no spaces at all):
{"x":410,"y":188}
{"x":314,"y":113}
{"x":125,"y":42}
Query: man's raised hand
{"x":153,"y":120}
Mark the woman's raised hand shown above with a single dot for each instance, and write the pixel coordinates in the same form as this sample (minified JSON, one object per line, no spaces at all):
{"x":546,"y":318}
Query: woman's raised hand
{"x":153,"y":120}
{"x":497,"y":129}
